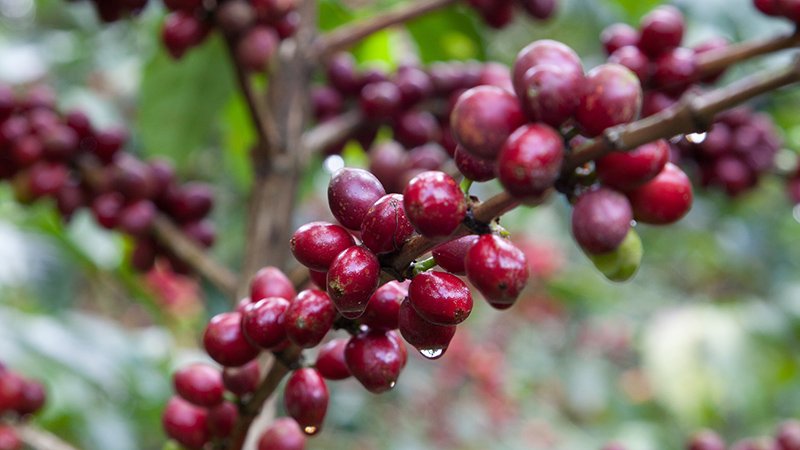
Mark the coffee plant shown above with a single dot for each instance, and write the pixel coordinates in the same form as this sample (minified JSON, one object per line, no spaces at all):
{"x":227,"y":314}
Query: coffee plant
{"x":300,"y":224}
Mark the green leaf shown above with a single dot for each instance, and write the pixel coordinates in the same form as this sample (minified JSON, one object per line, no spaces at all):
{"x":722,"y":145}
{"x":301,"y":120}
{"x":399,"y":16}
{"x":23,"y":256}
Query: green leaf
{"x":332,"y":14}
{"x":238,"y":136}
{"x":447,"y":34}
{"x":181,"y":100}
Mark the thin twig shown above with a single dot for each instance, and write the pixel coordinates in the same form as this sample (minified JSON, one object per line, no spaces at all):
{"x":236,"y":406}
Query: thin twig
{"x":39,"y":439}
{"x":348,"y":35}
{"x":715,"y":60}
{"x":332,"y":131}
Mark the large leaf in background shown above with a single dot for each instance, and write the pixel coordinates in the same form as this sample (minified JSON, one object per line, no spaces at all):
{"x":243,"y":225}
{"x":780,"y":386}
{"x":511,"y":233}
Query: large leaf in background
{"x":180,"y":100}
{"x":238,"y":136}
{"x":332,"y":14}
{"x":447,"y":34}
{"x":636,"y":8}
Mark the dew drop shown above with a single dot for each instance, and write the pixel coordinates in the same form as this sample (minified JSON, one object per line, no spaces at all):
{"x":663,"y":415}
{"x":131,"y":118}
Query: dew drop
{"x":696,"y":138}
{"x":391,"y":385}
{"x":432,"y":353}
{"x":310,"y":430}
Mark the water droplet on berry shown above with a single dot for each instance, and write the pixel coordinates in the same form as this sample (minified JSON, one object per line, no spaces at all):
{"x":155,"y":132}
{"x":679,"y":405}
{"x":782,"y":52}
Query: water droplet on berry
{"x":391,"y":385}
{"x":696,"y":138}
{"x":432,"y":353}
{"x":309,"y":430}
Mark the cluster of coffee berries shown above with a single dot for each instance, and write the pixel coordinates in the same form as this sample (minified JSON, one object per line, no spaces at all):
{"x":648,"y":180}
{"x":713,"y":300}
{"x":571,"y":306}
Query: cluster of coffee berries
{"x":784,"y":8}
{"x":654,"y":53}
{"x":735,"y":152}
{"x":499,"y":13}
{"x":786,"y":437}
{"x":254,"y":27}
{"x":113,"y":10}
{"x":49,"y":155}
{"x":19,"y":397}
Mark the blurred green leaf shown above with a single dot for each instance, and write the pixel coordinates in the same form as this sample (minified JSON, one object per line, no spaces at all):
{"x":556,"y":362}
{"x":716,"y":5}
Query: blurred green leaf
{"x":447,"y":34}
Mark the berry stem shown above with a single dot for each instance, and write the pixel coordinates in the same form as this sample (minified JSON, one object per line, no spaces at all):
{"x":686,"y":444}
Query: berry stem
{"x":715,"y":60}
{"x":692,"y":113}
{"x":349,"y":35}
{"x":466,"y":183}
{"x":40,"y":439}
{"x":423,"y":266}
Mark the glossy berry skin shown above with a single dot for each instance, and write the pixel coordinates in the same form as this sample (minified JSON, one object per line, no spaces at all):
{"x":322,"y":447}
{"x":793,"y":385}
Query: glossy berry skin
{"x":440,"y":298}
{"x":271,"y":282}
{"x":628,"y":170}
{"x":429,"y":339}
{"x":352,"y":279}
{"x":383,"y":306}
{"x":601,"y":219}
{"x":550,"y":93}
{"x":611,"y":95}
{"x":498,"y":269}
{"x":450,"y":255}
{"x":634,"y":59}
{"x":663,"y":200}
{"x":434,"y":204}
{"x":330,"y":360}
{"x":661,"y":30}
{"x":309,"y":317}
{"x":306,"y":399}
{"x":375,"y":359}
{"x":224,"y":340}
{"x":543,"y":51}
{"x":263,"y":322}
{"x":199,"y":384}
{"x":618,"y":35}
{"x":385,"y":227}
{"x":283,"y":434}
{"x":351,"y":193}
{"x":482,"y":119}
{"x":530,"y":161}
{"x":242,"y":380}
{"x":186,"y":423}
{"x":222,"y":419}
{"x":674,"y":70}
{"x":316,"y":244}
{"x":474,"y":168}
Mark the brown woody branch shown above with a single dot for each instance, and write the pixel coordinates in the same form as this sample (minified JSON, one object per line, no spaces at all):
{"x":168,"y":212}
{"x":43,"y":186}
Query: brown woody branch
{"x":333,"y":131}
{"x":39,"y":439}
{"x":713,"y":61}
{"x":348,"y":35}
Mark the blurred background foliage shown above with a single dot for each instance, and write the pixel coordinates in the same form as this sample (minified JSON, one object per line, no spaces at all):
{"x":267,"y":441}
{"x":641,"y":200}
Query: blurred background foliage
{"x":706,"y":335}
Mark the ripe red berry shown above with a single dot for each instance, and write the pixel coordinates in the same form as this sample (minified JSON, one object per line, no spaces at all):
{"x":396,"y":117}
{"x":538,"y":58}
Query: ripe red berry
{"x":530,"y":161}
{"x":375,"y":359}
{"x":106,"y":208}
{"x":674,"y":70}
{"x":256,"y":47}
{"x":768,"y":7}
{"x":631,"y":169}
{"x":498,"y":269}
{"x":601,"y":219}
{"x":483,"y":118}
{"x":222,"y":419}
{"x":224,"y":340}
{"x":550,"y":93}
{"x":440,"y":298}
{"x":380,"y":100}
{"x":242,"y":380}
{"x":182,"y":30}
{"x":330,"y":360}
{"x":788,"y":435}
{"x":199,"y":384}
{"x":450,"y":255}
{"x":544,"y":51}
{"x":664,"y":199}
{"x":352,"y":279}
{"x":661,"y":30}
{"x":186,"y":423}
{"x":137,"y":217}
{"x":46,"y":178}
{"x":271,"y":282}
{"x":414,"y":128}
{"x":434,"y":204}
{"x":474,"y":168}
{"x":9,"y":439}
{"x":429,"y":339}
{"x":263,"y":322}
{"x":611,"y":95}
{"x":12,"y":386}
{"x":306,"y":399}
{"x":385,"y":227}
{"x":283,"y":434}
{"x":618,"y":35}
{"x":383,"y":306}
{"x":193,"y":202}
{"x":316,"y":244}
{"x":351,"y":193}
{"x":634,"y":59}
{"x":32,"y":398}
{"x":309,"y":317}
{"x":706,"y":440}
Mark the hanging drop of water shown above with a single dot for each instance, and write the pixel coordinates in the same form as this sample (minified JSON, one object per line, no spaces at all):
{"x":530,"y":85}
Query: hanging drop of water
{"x":391,"y":385}
{"x":432,"y":353}
{"x":310,"y":430}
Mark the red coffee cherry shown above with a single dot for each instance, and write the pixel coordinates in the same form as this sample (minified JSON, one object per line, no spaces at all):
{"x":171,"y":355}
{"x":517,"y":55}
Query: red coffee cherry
{"x":199,"y":384}
{"x":768,"y":7}
{"x":316,"y":244}
{"x":383,"y":306}
{"x":385,"y":227}
{"x":27,"y":150}
{"x":674,"y":70}
{"x":380,"y":100}
{"x":483,"y":118}
{"x":788,"y":435}
{"x":414,"y":85}
{"x":193,"y":202}
{"x":661,"y":30}
{"x":434,"y":204}
{"x":429,"y":339}
{"x":450,"y":255}
{"x":306,"y":399}
{"x":440,"y":298}
{"x":224,"y":341}
{"x":106,"y":208}
{"x":375,"y":359}
{"x":664,"y":199}
{"x":631,"y":169}
{"x":544,"y":51}
{"x":474,"y":168}
{"x":601,"y":219}
{"x":255,"y":49}
{"x":611,"y":95}
{"x":263,"y":322}
{"x":550,"y":93}
{"x":283,"y":434}
{"x":414,"y":128}
{"x":271,"y":282}
{"x":706,"y":440}
{"x":330,"y":360}
{"x":352,"y":279}
{"x":320,"y":279}
{"x":351,"y":193}
{"x":222,"y":419}
{"x":137,"y":217}
{"x":242,"y":380}
{"x":12,"y":387}
{"x":181,"y":31}
{"x":186,"y":423}
{"x":498,"y":269}
{"x":618,"y":35}
{"x":109,"y":142}
{"x":32,"y":398}
{"x":9,"y":440}
{"x":46,"y":178}
{"x":530,"y":161}
{"x":634,"y":59}
{"x":309,"y":317}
